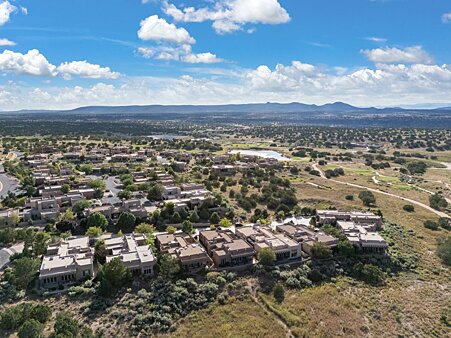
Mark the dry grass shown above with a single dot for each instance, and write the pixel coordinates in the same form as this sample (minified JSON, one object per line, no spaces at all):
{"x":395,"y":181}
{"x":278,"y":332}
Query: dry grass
{"x":238,"y":318}
{"x":320,"y":312}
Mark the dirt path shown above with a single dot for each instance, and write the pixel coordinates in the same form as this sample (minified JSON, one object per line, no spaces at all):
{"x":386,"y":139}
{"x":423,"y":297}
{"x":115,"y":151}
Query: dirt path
{"x":425,"y":206}
{"x":254,"y":296}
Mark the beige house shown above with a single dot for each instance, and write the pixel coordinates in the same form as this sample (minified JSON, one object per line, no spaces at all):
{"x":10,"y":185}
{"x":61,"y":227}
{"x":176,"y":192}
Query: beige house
{"x":363,"y":239}
{"x":134,"y":251}
{"x":226,"y":249}
{"x":307,"y":237}
{"x":190,"y":254}
{"x":283,"y":246}
{"x":67,"y":262}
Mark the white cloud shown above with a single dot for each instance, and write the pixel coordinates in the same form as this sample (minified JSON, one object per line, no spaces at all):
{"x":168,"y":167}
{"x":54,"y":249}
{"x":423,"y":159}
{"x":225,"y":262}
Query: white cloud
{"x":181,"y":53}
{"x":31,"y":63}
{"x":414,"y":54}
{"x":34,"y":63}
{"x":446,"y":17}
{"x":24,"y":10}
{"x":231,"y":15}
{"x":157,"y":29}
{"x":201,"y":58}
{"x":376,"y":39}
{"x":5,"y":11}
{"x":381,"y":85}
{"x":6,"y":42}
{"x":85,"y":69}
{"x":298,"y":81}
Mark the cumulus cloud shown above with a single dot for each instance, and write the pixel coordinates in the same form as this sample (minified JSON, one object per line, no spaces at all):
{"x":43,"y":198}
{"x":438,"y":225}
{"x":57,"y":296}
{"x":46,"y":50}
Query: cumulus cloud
{"x":362,"y":86}
{"x":34,"y":63}
{"x":382,"y":85}
{"x":31,"y":63}
{"x":85,"y":69}
{"x":5,"y":11}
{"x":201,"y":58}
{"x":231,"y":15}
{"x":173,"y":43}
{"x":6,"y":42}
{"x":446,"y":17}
{"x":414,"y":54}
{"x":180,"y":53}
{"x":158,"y":29}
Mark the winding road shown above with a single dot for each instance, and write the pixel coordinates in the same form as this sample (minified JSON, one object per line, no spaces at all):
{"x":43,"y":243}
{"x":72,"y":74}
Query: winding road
{"x":6,"y":183}
{"x":425,"y":206}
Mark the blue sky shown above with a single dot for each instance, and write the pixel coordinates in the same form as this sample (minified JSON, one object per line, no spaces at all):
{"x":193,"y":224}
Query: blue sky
{"x":64,"y":54}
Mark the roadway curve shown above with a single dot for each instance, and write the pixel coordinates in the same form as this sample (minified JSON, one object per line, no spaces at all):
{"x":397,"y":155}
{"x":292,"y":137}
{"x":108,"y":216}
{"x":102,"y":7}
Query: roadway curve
{"x":425,"y":206}
{"x":6,"y":183}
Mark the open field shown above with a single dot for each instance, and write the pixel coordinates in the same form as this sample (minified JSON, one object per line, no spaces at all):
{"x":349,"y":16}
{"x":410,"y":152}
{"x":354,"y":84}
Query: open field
{"x":238,"y":318}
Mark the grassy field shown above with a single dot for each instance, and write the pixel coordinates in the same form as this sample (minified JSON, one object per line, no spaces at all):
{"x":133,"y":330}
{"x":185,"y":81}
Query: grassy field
{"x":238,"y":318}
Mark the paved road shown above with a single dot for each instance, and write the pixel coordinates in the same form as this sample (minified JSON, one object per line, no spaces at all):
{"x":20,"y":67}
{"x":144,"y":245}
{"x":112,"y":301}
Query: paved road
{"x":6,"y":183}
{"x":425,"y":206}
{"x":6,"y":253}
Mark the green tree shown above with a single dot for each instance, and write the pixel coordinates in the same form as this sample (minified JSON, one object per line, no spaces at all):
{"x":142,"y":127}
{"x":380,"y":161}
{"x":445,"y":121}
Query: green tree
{"x":176,"y":218}
{"x":369,"y":273}
{"x":67,"y":216}
{"x":80,"y":206}
{"x":346,"y":248}
{"x":97,"y":184}
{"x":144,"y":228}
{"x":41,"y":312}
{"x":204,"y":214}
{"x":367,"y":198}
{"x":24,"y":271}
{"x":94,"y":232}
{"x":155,"y":193}
{"x":168,"y":266}
{"x":126,"y":220}
{"x":171,"y":229}
{"x":86,"y":168}
{"x":225,"y":223}
{"x":445,"y":223}
{"x":31,"y":329}
{"x":97,"y":219}
{"x":266,"y":256}
{"x":438,"y":202}
{"x":65,"y":325}
{"x":214,"y":218}
{"x":321,"y":251}
{"x":194,"y":217}
{"x":112,"y":276}
{"x":279,"y":292}
{"x":417,"y":167}
{"x":187,"y":227}
{"x":100,"y":251}
{"x":124,"y":195}
{"x":444,"y":250}
{"x":408,"y":208}
{"x":431,"y":225}
{"x":65,"y":188}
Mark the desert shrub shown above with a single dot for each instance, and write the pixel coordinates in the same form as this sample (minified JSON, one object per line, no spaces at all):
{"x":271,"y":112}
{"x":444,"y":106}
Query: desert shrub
{"x":15,"y":316}
{"x":408,"y":208}
{"x":297,"y":278}
{"x":369,"y":273}
{"x":444,"y":250}
{"x":157,"y":309}
{"x":431,"y":225}
{"x":279,"y":292}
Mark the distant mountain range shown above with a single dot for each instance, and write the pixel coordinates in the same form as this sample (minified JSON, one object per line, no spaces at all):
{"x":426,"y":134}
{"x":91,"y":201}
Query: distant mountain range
{"x":294,"y":107}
